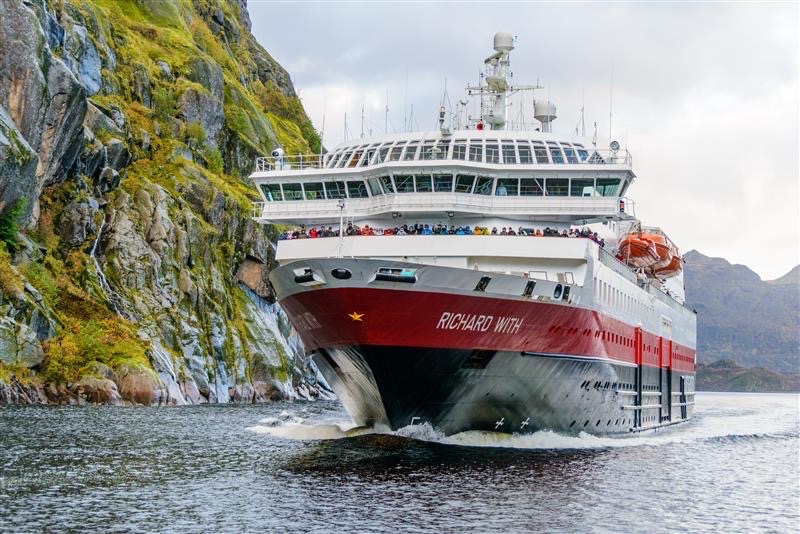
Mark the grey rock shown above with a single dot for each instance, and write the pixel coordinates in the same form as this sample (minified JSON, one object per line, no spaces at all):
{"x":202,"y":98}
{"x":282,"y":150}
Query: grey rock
{"x":107,"y":181}
{"x":77,"y":223}
{"x":118,"y":155}
{"x":198,"y":106}
{"x":165,"y":69}
{"x":85,"y":59}
{"x":97,"y":121}
{"x":95,"y":159}
{"x":141,"y":85}
{"x":18,"y":163}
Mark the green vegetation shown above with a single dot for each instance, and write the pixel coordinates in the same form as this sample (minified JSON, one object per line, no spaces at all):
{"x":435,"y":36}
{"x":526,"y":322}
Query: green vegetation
{"x":109,"y":341}
{"x":9,"y":224}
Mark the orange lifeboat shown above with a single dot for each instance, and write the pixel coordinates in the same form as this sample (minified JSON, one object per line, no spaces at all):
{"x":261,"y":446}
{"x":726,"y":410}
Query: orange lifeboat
{"x":638,"y":251}
{"x":652,"y":250}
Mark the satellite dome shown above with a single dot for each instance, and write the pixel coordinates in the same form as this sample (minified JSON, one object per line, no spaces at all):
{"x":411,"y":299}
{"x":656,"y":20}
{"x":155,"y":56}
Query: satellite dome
{"x":503,"y":42}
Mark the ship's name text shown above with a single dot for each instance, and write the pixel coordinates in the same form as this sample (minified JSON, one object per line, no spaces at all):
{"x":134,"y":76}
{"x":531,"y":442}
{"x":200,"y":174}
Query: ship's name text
{"x":473,"y":322}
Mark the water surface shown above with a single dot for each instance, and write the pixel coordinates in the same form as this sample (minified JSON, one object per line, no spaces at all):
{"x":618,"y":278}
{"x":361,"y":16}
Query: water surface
{"x":237,"y":468}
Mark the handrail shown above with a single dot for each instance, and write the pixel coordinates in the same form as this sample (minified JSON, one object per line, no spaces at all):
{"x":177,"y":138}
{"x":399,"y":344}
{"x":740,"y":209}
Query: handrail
{"x":320,"y":161}
{"x":401,"y":202}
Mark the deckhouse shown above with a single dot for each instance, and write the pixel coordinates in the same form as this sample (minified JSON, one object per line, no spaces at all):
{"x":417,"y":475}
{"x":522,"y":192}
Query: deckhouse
{"x":462,"y":176}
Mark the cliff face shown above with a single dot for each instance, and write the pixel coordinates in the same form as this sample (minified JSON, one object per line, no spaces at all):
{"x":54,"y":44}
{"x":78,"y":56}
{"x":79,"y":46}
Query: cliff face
{"x":130,"y":268}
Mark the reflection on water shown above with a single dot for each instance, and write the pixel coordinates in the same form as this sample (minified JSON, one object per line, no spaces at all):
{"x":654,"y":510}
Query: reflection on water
{"x":302,"y":466}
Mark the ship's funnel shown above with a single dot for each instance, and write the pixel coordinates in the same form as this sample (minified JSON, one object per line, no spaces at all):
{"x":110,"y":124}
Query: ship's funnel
{"x":544,"y":111}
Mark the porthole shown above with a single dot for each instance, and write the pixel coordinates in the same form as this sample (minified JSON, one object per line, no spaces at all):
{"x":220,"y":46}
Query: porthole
{"x":341,"y":274}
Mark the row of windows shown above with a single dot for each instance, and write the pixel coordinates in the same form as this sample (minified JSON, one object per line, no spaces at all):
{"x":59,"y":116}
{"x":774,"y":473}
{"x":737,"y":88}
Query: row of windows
{"x":506,"y":151}
{"x":443,"y":183}
{"x":608,"y":294}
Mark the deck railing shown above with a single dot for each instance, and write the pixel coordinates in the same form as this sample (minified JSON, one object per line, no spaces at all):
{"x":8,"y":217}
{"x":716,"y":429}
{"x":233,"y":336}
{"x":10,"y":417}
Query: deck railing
{"x":323,"y":161}
{"x":445,"y":202}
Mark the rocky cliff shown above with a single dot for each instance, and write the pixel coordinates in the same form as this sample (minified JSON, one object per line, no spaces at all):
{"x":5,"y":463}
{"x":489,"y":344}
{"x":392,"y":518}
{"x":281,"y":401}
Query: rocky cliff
{"x":130,"y":269}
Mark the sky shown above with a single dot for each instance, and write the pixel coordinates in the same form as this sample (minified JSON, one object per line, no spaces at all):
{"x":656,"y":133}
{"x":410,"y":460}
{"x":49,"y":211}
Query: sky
{"x":705,"y":95}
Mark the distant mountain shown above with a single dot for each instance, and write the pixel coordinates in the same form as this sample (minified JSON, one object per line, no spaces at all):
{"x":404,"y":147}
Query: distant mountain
{"x":726,"y":375}
{"x":742,"y":318}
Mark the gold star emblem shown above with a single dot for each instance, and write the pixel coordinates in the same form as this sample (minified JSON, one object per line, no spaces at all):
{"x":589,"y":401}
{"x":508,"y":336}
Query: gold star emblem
{"x":356,"y":316}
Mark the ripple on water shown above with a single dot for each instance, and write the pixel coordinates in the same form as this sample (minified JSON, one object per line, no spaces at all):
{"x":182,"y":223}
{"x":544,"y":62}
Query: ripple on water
{"x":304,"y":466}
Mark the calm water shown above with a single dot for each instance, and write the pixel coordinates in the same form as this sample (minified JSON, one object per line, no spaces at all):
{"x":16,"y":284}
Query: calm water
{"x":220,"y":468}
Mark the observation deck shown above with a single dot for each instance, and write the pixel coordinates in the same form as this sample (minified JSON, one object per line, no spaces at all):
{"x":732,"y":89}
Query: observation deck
{"x":520,"y":176}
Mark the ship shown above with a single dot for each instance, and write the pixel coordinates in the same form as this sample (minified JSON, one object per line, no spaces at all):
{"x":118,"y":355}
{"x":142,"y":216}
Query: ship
{"x":488,"y":275}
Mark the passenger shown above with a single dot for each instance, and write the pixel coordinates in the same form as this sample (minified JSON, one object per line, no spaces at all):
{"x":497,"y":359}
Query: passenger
{"x":467,"y":230}
{"x":564,"y":233}
{"x":538,"y":232}
{"x":426,"y":230}
{"x":400,"y":231}
{"x":477,"y":231}
{"x":504,"y":231}
{"x":520,"y":231}
{"x":511,"y":231}
{"x":485,"y":230}
{"x":494,"y":230}
{"x":388,"y":231}
{"x":602,"y":243}
{"x":313,"y":233}
{"x":459,"y":231}
{"x":452,"y":230}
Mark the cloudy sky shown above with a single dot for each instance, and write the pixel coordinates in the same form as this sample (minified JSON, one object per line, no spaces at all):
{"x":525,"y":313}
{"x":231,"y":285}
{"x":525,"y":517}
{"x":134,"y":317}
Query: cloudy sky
{"x":705,"y":95}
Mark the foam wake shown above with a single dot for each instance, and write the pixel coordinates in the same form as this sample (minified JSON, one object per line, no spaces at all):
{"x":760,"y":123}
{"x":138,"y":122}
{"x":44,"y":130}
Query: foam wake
{"x":719,"y":417}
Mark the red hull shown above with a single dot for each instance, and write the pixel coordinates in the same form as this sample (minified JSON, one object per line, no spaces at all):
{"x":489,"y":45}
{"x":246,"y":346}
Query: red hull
{"x":408,"y":318}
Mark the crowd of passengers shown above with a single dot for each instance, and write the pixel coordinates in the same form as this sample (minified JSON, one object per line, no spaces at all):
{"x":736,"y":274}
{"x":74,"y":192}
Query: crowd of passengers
{"x":438,"y":229}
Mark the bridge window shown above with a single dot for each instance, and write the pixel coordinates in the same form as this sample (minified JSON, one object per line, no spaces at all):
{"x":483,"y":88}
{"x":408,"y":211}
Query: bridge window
{"x":460,"y":149}
{"x":343,"y":159}
{"x":507,"y":187}
{"x":423,"y":184}
{"x":357,"y":189}
{"x":484,"y":186}
{"x":394,"y":154}
{"x":272,"y":192}
{"x":331,"y":159}
{"x":293,"y":191}
{"x":386,"y":182}
{"x":427,"y":151}
{"x":443,"y":183}
{"x":464,"y":183}
{"x":382,"y":153}
{"x":475,"y":152}
{"x":583,"y":155}
{"x":441,"y":150}
{"x":369,"y":155}
{"x":541,"y":153}
{"x":557,"y":187}
{"x":531,"y":187}
{"x":374,"y":186}
{"x":607,"y":187}
{"x":314,"y":191}
{"x":334,"y":190}
{"x":355,"y":158}
{"x":404,"y":183}
{"x":556,"y":154}
{"x":509,"y":154}
{"x":492,"y":153}
{"x":410,"y":152}
{"x":569,"y":152}
{"x":582,"y":187}
{"x":525,"y":155}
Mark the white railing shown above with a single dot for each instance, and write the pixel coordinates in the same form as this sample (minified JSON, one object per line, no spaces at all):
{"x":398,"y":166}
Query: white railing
{"x":432,"y":202}
{"x":318,"y":161}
